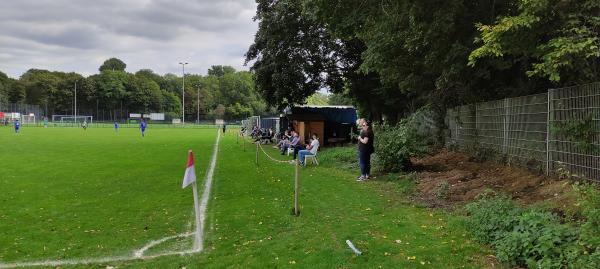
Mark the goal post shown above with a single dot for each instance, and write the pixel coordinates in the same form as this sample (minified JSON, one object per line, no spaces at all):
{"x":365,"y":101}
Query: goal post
{"x":70,"y":119}
{"x":28,"y":119}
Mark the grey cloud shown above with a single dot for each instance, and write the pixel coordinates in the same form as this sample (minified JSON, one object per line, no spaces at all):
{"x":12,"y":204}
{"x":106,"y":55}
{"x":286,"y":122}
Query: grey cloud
{"x":150,"y":32}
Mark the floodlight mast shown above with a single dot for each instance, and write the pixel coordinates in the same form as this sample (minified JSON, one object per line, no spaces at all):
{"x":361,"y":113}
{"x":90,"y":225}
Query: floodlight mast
{"x":183,"y":91}
{"x":75,"y":102}
{"x":198,"y":104}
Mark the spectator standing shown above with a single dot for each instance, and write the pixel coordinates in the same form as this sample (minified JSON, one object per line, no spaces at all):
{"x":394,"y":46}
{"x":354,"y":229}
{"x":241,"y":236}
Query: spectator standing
{"x":366,"y":147}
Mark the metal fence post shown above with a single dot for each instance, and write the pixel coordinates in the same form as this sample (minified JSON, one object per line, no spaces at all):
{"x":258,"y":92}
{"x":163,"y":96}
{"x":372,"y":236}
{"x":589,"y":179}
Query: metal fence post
{"x":505,"y":127}
{"x":548,"y":137}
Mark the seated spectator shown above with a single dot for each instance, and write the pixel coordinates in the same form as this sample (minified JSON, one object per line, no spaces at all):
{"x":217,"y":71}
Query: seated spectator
{"x":255,"y":131}
{"x":283,"y":139}
{"x":292,"y":144}
{"x":267,"y":137}
{"x":310,"y":150}
{"x":297,"y":148}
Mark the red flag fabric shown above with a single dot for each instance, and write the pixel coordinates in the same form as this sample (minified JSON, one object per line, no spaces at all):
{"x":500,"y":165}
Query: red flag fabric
{"x":190,"y":174}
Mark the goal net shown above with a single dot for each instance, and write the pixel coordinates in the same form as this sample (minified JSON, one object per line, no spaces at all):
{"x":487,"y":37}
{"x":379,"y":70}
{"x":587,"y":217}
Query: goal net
{"x":28,"y":119}
{"x":70,"y":119}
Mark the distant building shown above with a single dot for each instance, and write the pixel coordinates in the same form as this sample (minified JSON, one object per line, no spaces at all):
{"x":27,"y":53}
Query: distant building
{"x":333,"y":124}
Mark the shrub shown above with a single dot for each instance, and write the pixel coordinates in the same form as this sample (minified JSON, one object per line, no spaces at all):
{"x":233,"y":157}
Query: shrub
{"x":492,"y":216}
{"x":443,"y":191}
{"x":394,"y":145}
{"x":535,"y":238}
{"x":538,"y":240}
{"x":589,"y":201}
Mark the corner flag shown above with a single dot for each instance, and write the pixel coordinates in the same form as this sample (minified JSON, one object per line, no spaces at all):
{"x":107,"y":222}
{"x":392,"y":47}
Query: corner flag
{"x":190,"y":173}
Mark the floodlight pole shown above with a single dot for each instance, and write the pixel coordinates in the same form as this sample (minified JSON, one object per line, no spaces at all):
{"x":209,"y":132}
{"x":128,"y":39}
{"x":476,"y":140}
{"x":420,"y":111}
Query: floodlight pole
{"x":183,"y":92}
{"x":75,"y":110}
{"x":198,"y":105}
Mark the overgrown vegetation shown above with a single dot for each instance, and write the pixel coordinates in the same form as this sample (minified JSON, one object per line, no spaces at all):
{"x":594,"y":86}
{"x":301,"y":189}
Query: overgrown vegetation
{"x":537,"y":238}
{"x":582,"y":132}
{"x":396,"y":144}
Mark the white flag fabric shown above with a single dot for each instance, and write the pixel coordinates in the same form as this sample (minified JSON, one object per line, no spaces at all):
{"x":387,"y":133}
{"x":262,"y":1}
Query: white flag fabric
{"x":190,"y":173}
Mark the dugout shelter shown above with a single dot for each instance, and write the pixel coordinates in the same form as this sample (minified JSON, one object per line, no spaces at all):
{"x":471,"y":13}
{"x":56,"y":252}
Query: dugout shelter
{"x":333,"y":124}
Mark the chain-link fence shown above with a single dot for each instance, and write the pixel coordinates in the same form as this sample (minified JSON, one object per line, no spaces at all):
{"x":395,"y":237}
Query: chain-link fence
{"x":554,"y":132}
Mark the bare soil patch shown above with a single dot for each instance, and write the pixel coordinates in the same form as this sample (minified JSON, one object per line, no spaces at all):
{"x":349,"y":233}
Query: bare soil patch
{"x":451,"y":178}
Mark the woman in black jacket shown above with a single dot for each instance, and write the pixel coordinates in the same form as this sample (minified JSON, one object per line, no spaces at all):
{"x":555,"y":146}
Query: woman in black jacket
{"x":366,"y":141}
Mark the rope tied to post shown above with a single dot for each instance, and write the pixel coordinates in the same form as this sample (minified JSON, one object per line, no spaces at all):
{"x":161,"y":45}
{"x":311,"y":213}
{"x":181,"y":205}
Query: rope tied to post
{"x":269,"y":156}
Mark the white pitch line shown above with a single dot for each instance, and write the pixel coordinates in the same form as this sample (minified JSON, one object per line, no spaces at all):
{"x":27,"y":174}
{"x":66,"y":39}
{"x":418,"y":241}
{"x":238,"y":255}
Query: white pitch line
{"x":198,"y":246}
{"x":140,"y":253}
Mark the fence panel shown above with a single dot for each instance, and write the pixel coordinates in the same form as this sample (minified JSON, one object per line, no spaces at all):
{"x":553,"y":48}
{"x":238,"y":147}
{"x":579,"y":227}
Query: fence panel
{"x":546,"y":132}
{"x":575,"y":137}
{"x":490,"y":122}
{"x":526,"y":128}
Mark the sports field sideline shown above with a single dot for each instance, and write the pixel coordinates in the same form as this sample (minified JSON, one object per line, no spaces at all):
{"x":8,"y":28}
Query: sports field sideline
{"x":69,"y":194}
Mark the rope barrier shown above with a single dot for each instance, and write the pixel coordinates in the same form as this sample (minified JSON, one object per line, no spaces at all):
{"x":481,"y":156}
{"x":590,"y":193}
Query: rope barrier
{"x":296,"y":209}
{"x":272,"y":159}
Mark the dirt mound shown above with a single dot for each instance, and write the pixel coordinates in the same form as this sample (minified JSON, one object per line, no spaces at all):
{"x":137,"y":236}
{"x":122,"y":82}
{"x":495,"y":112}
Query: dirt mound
{"x":450,"y":178}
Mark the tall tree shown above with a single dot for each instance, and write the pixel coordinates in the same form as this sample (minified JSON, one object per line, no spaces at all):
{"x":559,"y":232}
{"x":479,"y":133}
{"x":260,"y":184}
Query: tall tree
{"x":294,"y":55}
{"x":112,"y":64}
{"x":555,"y":39}
{"x":220,"y":70}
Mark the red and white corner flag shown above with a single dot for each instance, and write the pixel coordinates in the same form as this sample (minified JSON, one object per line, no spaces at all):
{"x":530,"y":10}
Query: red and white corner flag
{"x":190,"y":173}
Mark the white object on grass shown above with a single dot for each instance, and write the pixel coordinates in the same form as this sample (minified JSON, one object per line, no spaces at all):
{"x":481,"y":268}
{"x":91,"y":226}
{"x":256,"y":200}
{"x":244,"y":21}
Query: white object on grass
{"x":356,"y":251}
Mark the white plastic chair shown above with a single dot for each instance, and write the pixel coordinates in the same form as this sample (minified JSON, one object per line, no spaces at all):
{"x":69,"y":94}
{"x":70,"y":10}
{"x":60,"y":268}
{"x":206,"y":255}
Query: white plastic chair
{"x":313,"y":157}
{"x":290,"y":150}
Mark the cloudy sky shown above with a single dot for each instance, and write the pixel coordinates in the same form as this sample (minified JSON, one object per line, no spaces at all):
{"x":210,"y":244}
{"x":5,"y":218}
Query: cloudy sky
{"x":78,"y":35}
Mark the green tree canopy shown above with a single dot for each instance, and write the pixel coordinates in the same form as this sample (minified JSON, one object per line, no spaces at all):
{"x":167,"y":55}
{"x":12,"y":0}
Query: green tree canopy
{"x":112,"y":64}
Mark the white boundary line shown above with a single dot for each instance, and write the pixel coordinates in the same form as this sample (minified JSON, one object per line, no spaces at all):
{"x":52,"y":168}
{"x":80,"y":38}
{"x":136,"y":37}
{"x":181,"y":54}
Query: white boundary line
{"x":204,"y":202}
{"x":139,"y":254}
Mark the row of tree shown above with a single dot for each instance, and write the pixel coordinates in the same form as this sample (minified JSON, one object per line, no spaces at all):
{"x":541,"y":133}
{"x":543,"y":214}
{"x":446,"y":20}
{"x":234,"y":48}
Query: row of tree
{"x":394,"y":57}
{"x":223,"y":93}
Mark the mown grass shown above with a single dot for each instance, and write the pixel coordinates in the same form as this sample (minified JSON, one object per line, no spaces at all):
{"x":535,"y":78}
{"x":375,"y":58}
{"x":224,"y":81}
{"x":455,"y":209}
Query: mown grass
{"x":70,"y":193}
{"x":250,"y":223}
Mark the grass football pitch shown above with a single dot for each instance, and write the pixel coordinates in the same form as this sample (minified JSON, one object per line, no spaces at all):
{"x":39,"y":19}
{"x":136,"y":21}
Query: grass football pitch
{"x":69,"y":194}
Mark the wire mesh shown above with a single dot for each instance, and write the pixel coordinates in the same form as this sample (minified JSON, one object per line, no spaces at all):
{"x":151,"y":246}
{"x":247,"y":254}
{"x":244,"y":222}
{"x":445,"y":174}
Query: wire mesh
{"x":525,"y":130}
{"x":577,"y":109}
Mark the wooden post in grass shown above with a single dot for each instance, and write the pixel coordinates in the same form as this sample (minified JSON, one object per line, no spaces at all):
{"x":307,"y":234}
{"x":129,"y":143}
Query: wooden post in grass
{"x":296,"y":188}
{"x":256,"y":162}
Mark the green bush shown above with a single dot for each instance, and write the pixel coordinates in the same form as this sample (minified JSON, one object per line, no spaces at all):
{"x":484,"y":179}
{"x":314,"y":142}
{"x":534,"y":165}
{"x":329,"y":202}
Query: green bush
{"x":492,"y":216}
{"x":394,"y":145}
{"x":589,"y":201}
{"x":443,"y":190}
{"x":538,"y":240}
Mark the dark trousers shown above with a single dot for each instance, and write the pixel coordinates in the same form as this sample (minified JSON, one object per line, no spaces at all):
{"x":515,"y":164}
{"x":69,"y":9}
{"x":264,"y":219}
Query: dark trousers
{"x":364,"y":161}
{"x":296,"y":149}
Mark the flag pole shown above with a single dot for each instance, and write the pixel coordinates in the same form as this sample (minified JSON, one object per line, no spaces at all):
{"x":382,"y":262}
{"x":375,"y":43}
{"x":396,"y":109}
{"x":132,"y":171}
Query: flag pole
{"x":197,"y":243}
